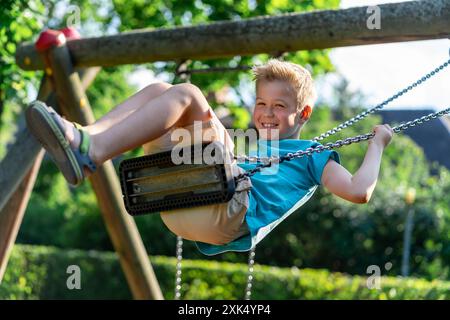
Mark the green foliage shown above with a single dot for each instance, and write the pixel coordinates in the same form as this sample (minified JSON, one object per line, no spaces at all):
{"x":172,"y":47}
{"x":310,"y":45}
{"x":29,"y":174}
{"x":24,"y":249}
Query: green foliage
{"x":109,"y":88}
{"x":165,"y":14}
{"x":40,"y":273}
{"x":19,"y":21}
{"x":62,"y":215}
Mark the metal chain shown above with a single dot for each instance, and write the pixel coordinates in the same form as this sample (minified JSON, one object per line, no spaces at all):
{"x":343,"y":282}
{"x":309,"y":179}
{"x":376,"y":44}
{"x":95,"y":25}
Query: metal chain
{"x":185,"y":71}
{"x":179,"y":246}
{"x":364,"y":114}
{"x":213,"y":69}
{"x":179,"y":254}
{"x":251,"y":263}
{"x":339,"y":143}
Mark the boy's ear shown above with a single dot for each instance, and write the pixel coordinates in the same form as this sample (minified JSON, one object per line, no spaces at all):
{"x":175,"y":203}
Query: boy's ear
{"x":306,"y":112}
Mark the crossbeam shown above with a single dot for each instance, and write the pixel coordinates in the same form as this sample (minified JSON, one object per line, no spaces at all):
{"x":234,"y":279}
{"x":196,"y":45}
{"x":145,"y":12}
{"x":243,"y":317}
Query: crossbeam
{"x":406,"y":21}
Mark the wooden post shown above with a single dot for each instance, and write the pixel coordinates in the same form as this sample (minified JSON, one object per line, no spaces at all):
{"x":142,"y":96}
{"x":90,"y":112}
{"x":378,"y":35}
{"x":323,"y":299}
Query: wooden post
{"x":405,"y":21}
{"x":121,"y":227}
{"x":12,"y":214}
{"x":17,"y":178}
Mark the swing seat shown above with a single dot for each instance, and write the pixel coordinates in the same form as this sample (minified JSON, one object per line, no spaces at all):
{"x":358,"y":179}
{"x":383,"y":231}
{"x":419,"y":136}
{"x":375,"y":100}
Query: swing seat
{"x":154,"y":183}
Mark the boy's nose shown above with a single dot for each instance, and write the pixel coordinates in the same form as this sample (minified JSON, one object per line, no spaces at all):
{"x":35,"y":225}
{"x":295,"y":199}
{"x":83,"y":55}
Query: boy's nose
{"x":268,"y":111}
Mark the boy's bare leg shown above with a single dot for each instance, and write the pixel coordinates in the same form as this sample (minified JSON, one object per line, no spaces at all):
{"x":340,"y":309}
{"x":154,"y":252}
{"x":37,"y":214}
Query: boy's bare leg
{"x":117,"y":114}
{"x":179,"y":105}
{"x":127,"y":107}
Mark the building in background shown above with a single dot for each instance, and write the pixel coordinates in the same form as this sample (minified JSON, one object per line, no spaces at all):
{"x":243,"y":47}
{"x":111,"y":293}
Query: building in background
{"x":433,"y":137}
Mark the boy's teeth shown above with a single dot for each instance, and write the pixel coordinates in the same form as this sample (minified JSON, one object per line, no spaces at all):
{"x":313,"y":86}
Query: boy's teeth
{"x":269,"y":125}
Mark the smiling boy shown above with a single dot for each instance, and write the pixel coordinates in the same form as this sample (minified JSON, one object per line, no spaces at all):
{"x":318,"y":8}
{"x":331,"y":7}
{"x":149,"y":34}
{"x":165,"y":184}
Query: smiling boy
{"x":285,"y":98}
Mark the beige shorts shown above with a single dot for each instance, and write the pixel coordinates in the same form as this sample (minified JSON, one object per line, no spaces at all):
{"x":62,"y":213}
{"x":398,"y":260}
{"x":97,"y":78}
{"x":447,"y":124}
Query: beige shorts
{"x":215,"y":224}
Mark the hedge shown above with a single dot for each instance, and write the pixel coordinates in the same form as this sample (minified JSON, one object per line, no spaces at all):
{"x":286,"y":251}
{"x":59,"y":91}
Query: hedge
{"x":37,"y":272}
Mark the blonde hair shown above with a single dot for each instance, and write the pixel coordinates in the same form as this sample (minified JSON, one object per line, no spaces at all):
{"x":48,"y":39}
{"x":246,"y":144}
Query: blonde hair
{"x":298,"y":77}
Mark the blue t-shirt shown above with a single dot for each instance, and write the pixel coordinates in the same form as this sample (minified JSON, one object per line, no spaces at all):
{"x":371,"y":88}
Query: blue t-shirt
{"x":277,"y":191}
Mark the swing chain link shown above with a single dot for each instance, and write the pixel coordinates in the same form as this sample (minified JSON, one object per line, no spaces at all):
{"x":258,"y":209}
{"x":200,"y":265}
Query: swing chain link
{"x":179,"y":254}
{"x":251,"y":263}
{"x":364,"y":114}
{"x":337,"y":144}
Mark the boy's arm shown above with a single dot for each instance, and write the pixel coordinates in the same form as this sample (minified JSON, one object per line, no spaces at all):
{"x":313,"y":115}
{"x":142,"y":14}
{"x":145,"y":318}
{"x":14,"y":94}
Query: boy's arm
{"x":359,"y":187}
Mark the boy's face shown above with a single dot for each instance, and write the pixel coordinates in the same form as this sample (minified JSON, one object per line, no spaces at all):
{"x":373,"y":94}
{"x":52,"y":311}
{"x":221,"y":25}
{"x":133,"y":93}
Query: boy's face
{"x":276,"y":110}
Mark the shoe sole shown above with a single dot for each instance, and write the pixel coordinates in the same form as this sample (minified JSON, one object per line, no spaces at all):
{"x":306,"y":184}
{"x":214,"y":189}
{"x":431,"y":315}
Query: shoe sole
{"x":45,"y":129}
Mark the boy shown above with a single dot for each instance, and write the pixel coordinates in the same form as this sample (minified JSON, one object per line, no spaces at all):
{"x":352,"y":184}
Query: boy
{"x":285,"y":97}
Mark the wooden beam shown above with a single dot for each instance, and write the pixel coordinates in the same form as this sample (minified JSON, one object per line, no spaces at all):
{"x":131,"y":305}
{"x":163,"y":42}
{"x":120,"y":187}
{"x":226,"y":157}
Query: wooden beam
{"x":18,"y":174}
{"x":406,"y":21}
{"x":121,"y":227}
{"x":87,"y":76}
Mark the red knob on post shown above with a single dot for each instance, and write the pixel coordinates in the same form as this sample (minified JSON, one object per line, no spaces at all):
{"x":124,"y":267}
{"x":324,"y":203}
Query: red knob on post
{"x":50,"y":38}
{"x":71,"y":33}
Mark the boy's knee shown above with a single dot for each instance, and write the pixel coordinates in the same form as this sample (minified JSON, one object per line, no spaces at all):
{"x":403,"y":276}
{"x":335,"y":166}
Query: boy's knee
{"x":189,"y":90}
{"x":157,"y":88}
{"x":190,"y":94}
{"x":192,"y":97}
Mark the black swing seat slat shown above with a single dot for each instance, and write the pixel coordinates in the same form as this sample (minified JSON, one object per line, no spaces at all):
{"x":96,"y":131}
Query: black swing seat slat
{"x":153,"y":183}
